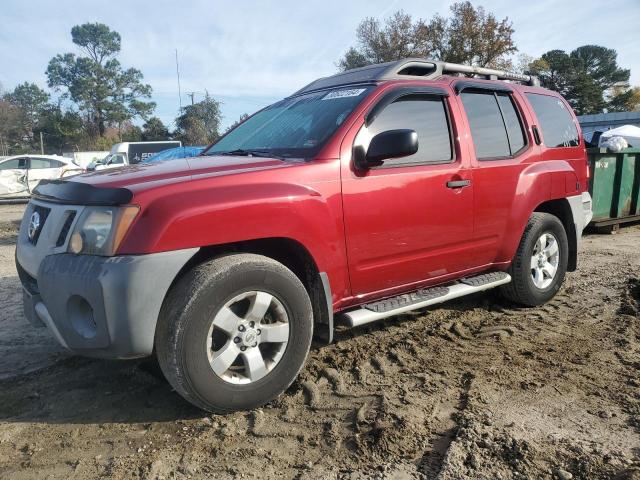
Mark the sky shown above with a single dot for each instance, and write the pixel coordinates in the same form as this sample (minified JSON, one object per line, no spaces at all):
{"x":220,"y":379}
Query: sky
{"x":249,"y":53}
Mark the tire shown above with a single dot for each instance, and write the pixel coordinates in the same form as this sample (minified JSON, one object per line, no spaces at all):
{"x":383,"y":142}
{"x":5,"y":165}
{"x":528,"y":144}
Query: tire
{"x":193,"y":333}
{"x":527,"y":287}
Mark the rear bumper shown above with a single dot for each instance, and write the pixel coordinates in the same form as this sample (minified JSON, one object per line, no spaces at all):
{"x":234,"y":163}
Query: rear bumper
{"x":581,"y":209}
{"x":101,"y":306}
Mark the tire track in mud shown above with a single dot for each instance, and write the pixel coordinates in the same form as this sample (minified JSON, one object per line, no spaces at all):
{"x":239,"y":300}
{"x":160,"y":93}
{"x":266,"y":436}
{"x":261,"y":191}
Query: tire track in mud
{"x":358,"y":411}
{"x":423,"y":394}
{"x":431,"y":462}
{"x":627,"y":337}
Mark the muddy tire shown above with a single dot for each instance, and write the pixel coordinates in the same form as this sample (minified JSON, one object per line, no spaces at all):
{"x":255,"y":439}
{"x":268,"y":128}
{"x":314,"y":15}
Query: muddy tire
{"x":234,"y":332}
{"x":540,"y":263}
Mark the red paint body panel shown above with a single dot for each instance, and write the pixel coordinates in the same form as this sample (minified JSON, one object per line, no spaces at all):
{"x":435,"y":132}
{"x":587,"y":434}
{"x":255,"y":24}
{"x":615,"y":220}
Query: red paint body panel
{"x":403,"y":225}
{"x":374,"y":233}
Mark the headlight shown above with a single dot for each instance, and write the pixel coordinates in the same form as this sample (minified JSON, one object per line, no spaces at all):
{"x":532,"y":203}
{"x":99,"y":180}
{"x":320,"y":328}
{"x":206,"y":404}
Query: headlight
{"x":100,"y":230}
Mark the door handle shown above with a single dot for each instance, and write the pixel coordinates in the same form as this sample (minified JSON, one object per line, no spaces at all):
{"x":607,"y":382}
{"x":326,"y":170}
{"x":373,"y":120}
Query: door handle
{"x":458,"y":183}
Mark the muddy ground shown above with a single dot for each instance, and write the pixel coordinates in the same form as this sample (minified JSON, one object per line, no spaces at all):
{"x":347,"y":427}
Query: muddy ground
{"x":474,"y":389}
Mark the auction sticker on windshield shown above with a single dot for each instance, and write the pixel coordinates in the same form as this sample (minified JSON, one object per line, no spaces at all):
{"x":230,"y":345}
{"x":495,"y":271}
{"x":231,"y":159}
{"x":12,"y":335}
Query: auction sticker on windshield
{"x":352,"y":92}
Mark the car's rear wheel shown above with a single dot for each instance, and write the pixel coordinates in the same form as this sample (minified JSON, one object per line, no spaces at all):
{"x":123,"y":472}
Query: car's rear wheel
{"x":234,"y":332}
{"x":539,"y":266}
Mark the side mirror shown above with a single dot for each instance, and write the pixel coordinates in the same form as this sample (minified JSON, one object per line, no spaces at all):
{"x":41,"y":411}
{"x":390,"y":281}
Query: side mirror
{"x":385,"y":145}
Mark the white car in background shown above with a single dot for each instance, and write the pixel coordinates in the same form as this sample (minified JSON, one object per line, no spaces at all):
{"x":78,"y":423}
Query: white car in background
{"x":20,"y":174}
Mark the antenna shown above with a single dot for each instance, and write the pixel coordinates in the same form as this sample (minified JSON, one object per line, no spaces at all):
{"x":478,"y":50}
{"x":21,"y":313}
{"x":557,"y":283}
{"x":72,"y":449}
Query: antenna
{"x":178,"y":75}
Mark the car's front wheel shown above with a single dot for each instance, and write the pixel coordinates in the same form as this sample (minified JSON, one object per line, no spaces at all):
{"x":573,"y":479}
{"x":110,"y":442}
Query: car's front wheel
{"x":539,"y":266}
{"x":234,"y":332}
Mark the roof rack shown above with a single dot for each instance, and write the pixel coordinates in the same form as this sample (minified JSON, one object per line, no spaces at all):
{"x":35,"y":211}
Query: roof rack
{"x":411,"y":68}
{"x":490,"y":73}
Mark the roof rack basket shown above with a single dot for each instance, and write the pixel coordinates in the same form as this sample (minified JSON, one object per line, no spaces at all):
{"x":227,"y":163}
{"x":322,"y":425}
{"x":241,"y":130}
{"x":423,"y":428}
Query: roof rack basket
{"x":491,"y":73}
{"x":413,"y":67}
{"x":433,"y":69}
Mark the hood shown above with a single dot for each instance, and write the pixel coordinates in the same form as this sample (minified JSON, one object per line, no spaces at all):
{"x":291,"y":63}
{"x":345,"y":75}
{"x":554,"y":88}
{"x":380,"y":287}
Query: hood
{"x":117,"y":186}
{"x":137,"y":176}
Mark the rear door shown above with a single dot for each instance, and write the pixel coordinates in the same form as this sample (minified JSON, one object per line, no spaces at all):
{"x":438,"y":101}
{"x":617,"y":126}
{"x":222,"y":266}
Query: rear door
{"x":41,"y":168}
{"x":501,"y":150}
{"x":411,"y":219}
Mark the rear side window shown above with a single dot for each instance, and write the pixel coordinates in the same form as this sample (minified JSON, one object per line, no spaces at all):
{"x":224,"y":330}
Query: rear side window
{"x":426,"y":115}
{"x":495,"y":126}
{"x":515,"y":133}
{"x":45,"y":163}
{"x":556,"y":123}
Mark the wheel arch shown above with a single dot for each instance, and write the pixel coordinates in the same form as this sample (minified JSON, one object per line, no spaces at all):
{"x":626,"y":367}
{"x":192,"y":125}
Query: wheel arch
{"x":297,"y":258}
{"x":542,"y":187}
{"x":561,"y":209}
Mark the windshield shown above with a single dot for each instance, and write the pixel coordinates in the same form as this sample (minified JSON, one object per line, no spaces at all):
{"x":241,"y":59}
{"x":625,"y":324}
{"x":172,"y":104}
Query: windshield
{"x":98,"y":161}
{"x":295,"y":127}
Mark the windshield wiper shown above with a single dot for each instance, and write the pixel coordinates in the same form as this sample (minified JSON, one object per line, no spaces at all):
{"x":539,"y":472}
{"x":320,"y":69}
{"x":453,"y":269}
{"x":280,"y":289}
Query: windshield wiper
{"x":240,"y":152}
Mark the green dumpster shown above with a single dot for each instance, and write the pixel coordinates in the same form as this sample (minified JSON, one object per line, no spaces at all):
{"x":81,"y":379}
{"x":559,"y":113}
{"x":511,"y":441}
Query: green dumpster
{"x":614,"y":186}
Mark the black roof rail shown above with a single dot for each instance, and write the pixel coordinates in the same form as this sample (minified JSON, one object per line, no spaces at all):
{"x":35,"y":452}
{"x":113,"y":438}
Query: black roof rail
{"x":411,"y":68}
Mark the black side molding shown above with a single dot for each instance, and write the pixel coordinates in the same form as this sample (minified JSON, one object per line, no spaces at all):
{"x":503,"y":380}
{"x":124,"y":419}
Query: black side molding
{"x":78,"y":193}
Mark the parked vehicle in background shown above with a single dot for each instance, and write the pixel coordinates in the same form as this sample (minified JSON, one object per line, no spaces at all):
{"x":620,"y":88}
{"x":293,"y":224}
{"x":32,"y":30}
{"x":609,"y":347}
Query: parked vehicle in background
{"x":130,"y":153}
{"x":20,"y":174}
{"x":173,"y":153}
{"x":83,"y":159}
{"x":363,"y":195}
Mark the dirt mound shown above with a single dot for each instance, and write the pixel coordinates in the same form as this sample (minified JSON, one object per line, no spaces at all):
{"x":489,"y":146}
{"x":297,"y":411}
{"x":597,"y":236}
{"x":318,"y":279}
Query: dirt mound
{"x":479,"y":388}
{"x":480,"y":451}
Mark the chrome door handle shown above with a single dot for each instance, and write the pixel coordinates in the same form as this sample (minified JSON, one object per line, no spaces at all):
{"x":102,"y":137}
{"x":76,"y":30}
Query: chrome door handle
{"x":458,"y":183}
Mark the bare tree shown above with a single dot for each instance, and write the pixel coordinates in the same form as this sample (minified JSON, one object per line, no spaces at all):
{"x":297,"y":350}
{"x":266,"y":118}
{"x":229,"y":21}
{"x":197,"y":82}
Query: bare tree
{"x":470,"y":36}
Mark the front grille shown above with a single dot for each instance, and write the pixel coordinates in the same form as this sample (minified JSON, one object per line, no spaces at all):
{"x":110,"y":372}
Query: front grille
{"x":36,"y":223}
{"x":71,"y":214}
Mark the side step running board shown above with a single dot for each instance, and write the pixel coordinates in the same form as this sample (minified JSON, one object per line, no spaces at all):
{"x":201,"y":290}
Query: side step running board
{"x":423,"y":298}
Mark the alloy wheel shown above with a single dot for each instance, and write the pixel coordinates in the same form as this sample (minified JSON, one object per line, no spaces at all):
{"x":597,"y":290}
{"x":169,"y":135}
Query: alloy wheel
{"x":247,"y":337}
{"x":545,"y":260}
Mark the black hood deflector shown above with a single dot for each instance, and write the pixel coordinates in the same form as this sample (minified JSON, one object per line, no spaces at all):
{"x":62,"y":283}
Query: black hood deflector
{"x":78,"y":193}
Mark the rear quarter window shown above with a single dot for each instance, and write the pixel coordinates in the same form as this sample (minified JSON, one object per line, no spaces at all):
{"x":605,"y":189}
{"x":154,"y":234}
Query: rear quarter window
{"x":556,"y":122}
{"x":38,"y":163}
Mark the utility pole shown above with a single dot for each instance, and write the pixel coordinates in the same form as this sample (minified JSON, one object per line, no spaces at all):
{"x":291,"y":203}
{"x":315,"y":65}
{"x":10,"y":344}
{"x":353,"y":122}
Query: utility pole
{"x":178,"y":74}
{"x":191,"y":94}
{"x":41,"y":145}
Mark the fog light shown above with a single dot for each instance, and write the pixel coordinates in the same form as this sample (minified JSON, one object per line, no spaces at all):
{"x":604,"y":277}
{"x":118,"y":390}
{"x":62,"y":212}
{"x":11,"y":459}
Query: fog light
{"x":81,"y":317}
{"x":76,"y":243}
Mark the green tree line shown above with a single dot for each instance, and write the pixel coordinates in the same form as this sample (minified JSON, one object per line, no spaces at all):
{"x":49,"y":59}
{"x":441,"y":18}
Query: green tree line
{"x":589,"y":77}
{"x":98,"y":102}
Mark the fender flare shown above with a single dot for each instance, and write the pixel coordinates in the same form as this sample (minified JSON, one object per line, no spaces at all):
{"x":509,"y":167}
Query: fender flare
{"x":538,"y":183}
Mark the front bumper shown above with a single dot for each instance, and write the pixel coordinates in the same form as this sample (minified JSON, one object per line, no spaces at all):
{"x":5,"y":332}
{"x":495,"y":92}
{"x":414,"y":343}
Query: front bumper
{"x":101,"y":306}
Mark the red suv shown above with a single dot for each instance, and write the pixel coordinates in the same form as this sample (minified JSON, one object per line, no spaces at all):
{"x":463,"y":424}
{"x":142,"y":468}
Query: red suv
{"x":363,"y":195}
